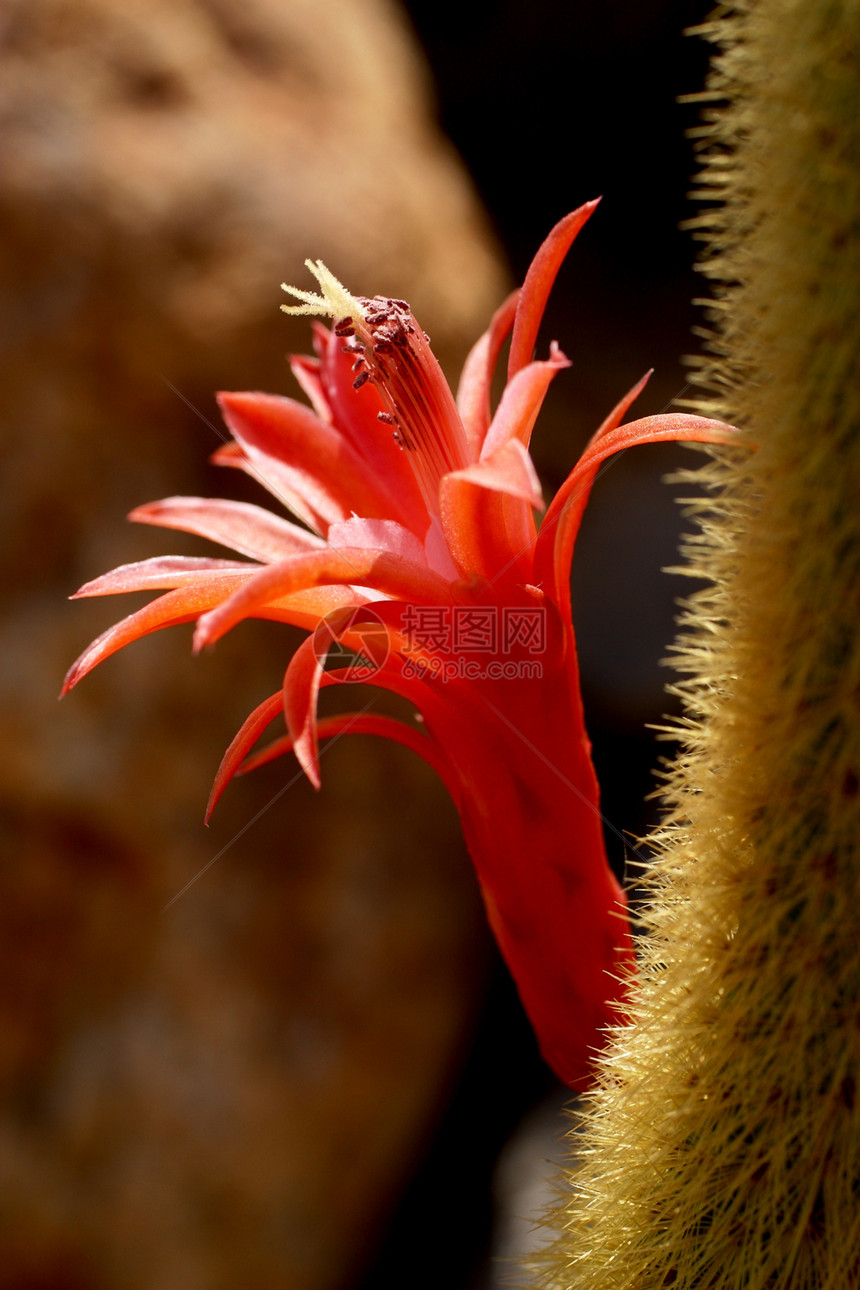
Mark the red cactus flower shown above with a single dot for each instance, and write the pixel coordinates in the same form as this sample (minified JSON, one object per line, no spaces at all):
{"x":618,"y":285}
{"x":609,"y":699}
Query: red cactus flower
{"x":420,"y":517}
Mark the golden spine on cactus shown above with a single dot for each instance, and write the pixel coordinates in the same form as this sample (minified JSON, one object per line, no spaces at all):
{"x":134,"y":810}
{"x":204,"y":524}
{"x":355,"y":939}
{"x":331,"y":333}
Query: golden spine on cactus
{"x":723,"y":1146}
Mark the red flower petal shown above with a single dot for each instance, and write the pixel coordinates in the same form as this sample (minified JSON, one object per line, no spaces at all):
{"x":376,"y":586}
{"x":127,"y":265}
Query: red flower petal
{"x":301,"y":687}
{"x":254,"y":725}
{"x":564,"y":515}
{"x":307,"y":373}
{"x":249,"y":529}
{"x":302,"y":681}
{"x":476,"y":379}
{"x":377,"y":535}
{"x":508,"y":469}
{"x":487,"y":516}
{"x":158,"y":574}
{"x":555,"y":543}
{"x":358,"y":723}
{"x":538,"y":284}
{"x":305,"y":462}
{"x":522,"y":401}
{"x":303,"y":609}
{"x":179,"y":606}
{"x":667,"y":426}
{"x":385,"y":572}
{"x":618,"y":413}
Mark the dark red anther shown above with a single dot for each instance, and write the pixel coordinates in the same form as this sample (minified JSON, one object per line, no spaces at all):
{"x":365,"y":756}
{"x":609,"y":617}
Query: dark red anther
{"x":360,"y":379}
{"x":386,"y":417}
{"x":344,"y":327}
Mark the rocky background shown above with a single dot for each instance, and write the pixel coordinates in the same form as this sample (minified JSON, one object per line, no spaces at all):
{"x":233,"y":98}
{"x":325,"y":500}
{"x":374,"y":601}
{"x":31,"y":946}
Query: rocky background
{"x":295,"y":1074}
{"x":228,"y":1092}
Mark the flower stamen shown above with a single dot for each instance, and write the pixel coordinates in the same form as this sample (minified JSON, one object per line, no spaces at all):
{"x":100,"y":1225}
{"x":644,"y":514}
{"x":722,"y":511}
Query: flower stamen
{"x":392,"y":351}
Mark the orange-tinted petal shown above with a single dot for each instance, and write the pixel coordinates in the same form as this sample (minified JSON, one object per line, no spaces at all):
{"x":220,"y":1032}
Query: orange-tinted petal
{"x":476,"y":379}
{"x":377,"y":535}
{"x":308,"y":464}
{"x":301,"y":687}
{"x":564,"y":514}
{"x":254,"y":725}
{"x":304,"y":609}
{"x":180,"y":606}
{"x":679,"y":426}
{"x":538,"y":284}
{"x":555,"y":542}
{"x":489,"y":531}
{"x":618,"y":413}
{"x":307,"y":373}
{"x":508,"y":469}
{"x":246,"y":528}
{"x":159,"y":573}
{"x":358,"y":723}
{"x":522,"y":401}
{"x":384,"y":572}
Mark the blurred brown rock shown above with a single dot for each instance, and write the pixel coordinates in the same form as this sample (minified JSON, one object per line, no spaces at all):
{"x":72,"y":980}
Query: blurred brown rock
{"x":228,"y":1092}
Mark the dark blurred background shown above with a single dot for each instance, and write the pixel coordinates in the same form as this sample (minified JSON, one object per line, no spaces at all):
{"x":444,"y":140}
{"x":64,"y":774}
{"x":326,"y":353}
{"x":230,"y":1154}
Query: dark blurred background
{"x":304,"y":1071}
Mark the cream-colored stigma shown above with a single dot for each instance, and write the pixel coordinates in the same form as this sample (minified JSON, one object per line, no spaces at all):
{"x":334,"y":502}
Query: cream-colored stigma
{"x":335,"y":301}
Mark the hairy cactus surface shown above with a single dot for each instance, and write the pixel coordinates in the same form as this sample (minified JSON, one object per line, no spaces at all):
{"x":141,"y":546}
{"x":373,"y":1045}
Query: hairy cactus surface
{"x":723,"y":1146}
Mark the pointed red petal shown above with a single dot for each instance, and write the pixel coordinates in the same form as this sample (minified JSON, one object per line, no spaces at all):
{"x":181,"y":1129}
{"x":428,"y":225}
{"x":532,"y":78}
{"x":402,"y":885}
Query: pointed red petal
{"x":305,"y":462}
{"x":359,"y":723}
{"x":538,"y":284}
{"x":621,"y":408}
{"x":301,"y":688}
{"x":246,"y":528}
{"x":179,"y":606}
{"x":564,"y":515}
{"x":302,"y":609}
{"x":158,"y":574}
{"x":230,"y":454}
{"x":555,"y":543}
{"x":302,"y":680}
{"x":383,"y":571}
{"x":488,"y":532}
{"x":508,"y":469}
{"x":522,"y":401}
{"x":473,"y":393}
{"x":306,"y":607}
{"x":377,"y":535}
{"x":262,"y":716}
{"x":277,"y":748}
{"x":307,"y":373}
{"x":667,"y":426}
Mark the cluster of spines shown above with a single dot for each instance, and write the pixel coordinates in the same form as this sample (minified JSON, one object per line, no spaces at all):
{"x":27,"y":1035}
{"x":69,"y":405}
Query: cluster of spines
{"x":722,"y":1149}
